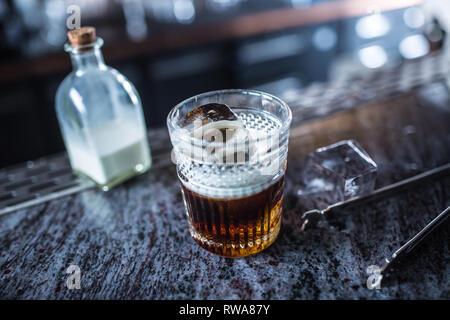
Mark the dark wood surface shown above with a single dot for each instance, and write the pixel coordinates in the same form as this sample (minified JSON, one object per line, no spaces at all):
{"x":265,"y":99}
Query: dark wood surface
{"x":133,"y":242}
{"x":405,"y":134}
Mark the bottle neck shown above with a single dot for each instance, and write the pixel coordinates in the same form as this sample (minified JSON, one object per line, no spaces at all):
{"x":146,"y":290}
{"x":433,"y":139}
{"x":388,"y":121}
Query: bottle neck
{"x":90,"y":58}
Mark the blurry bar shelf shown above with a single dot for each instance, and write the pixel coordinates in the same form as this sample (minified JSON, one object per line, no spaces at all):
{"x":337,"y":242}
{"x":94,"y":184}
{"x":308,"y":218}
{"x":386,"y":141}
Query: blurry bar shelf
{"x":49,"y":178}
{"x":235,"y":28}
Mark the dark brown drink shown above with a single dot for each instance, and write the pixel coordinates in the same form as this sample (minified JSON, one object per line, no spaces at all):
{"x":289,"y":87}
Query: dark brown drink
{"x":230,"y":147}
{"x":235,"y":227}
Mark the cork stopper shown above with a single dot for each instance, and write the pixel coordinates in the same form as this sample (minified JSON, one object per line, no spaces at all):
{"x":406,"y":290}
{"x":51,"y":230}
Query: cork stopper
{"x":82,"y":36}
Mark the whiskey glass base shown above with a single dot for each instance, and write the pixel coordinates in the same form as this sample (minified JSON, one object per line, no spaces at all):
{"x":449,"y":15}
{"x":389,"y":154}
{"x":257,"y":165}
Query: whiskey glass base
{"x":232,"y":250}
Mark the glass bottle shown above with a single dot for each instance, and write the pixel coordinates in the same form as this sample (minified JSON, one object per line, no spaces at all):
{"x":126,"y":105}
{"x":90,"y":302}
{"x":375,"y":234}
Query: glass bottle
{"x":100,"y":116}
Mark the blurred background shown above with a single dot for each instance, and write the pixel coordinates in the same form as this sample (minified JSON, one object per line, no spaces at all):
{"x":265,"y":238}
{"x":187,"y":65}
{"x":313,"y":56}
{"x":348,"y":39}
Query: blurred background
{"x":173,"y":49}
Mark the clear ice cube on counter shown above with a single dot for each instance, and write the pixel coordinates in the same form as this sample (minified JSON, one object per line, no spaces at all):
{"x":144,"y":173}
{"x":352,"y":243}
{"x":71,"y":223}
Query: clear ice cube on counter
{"x":336,"y":173}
